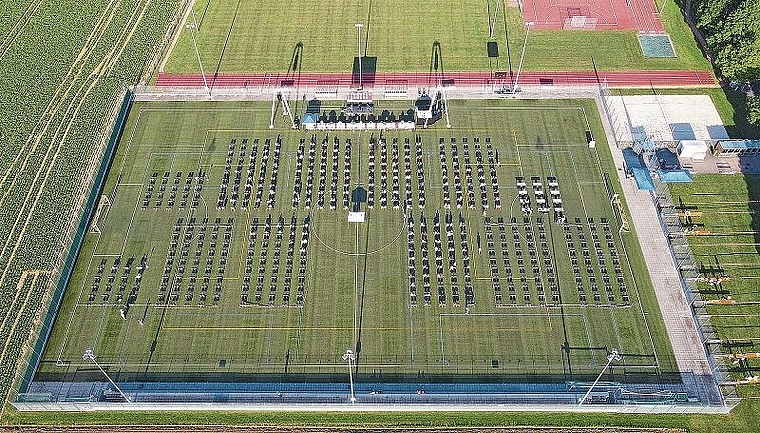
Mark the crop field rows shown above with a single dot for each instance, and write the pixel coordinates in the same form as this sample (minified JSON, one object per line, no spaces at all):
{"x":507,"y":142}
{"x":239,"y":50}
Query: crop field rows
{"x":52,"y":147}
{"x":721,"y":215}
{"x":225,"y":247}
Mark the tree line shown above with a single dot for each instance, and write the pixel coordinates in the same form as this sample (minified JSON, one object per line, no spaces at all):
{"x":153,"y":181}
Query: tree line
{"x":732,"y":31}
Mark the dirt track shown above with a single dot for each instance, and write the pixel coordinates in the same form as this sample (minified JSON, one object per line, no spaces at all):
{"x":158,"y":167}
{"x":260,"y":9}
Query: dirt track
{"x":218,"y":429}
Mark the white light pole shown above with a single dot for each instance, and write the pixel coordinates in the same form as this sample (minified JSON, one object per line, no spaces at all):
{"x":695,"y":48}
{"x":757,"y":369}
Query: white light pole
{"x":349,"y":356}
{"x":528,"y":25}
{"x":495,"y":17}
{"x":359,"y":50}
{"x":89,"y":355}
{"x":194,"y":29}
{"x":613,"y":356}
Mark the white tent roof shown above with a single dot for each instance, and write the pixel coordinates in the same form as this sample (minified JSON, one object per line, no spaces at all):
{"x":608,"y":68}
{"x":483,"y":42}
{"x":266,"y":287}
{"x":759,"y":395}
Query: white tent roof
{"x":691,"y":148}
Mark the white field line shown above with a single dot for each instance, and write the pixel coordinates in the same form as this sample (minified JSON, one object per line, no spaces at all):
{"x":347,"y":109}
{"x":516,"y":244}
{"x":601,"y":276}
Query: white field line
{"x":600,"y":107}
{"x":617,"y":331}
{"x":589,"y":339}
{"x":440,"y":326}
{"x":270,"y":337}
{"x":356,"y":286}
{"x":66,"y":333}
{"x":96,"y":338}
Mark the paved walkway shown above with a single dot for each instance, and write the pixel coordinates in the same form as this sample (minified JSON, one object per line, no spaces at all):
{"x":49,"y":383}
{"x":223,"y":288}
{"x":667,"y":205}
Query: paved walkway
{"x":338,"y":93}
{"x":687,"y":346}
{"x":323,"y":407}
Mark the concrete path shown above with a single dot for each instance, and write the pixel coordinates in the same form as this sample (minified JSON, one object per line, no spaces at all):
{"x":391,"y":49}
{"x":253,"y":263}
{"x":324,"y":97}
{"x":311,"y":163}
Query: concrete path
{"x":687,"y":346}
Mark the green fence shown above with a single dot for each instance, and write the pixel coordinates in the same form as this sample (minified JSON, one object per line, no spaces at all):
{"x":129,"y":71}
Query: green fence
{"x":76,"y":244}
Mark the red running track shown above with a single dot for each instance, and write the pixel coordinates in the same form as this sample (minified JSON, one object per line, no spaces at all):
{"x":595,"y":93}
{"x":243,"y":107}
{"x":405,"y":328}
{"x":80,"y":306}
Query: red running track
{"x":638,"y":15}
{"x":612,"y":79}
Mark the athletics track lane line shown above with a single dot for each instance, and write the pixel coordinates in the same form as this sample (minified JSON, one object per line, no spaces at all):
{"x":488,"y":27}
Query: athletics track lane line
{"x":557,"y":78}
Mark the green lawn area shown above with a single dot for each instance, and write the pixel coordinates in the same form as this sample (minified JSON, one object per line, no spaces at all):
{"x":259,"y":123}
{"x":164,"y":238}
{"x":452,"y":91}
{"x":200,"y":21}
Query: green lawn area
{"x":261,"y":37}
{"x":356,"y":284}
{"x":743,"y":419}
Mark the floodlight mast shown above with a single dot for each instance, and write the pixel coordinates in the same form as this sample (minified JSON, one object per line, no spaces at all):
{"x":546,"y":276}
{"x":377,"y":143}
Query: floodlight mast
{"x":350,"y":356}
{"x":445,"y":107}
{"x":493,"y":21}
{"x":194,"y":29}
{"x":89,"y":355}
{"x":528,"y":25}
{"x":359,"y":50}
{"x":612,"y":356}
{"x":278,"y":97}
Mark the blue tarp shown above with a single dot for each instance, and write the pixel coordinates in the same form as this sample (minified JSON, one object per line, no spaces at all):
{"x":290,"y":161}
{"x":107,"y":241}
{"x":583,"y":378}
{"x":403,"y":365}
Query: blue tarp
{"x":648,"y":144}
{"x":643,"y":179}
{"x":639,"y":171}
{"x":632,"y":159}
{"x":310,"y":118}
{"x":675,"y":176}
{"x":666,"y":160}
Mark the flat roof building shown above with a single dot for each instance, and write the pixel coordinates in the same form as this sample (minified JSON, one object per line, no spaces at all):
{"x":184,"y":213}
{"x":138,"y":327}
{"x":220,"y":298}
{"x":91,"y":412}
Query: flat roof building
{"x":737,"y":147}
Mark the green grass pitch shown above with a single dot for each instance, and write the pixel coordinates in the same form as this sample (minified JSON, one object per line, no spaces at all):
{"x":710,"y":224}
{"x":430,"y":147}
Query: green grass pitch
{"x":261,"y":36}
{"x":356,"y":281}
{"x":725,"y":211}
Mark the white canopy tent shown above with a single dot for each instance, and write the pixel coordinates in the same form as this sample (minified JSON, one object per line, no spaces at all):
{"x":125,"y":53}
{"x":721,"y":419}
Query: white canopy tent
{"x":694,"y":149}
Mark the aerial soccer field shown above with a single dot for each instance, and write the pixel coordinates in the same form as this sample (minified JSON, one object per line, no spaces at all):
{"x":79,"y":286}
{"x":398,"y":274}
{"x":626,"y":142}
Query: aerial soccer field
{"x":401,"y":36}
{"x":221,"y":246}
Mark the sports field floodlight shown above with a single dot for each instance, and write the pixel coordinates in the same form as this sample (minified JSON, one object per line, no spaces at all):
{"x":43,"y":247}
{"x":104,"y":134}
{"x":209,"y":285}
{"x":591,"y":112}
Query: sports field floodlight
{"x":193,"y":27}
{"x":493,"y":21}
{"x":89,"y":355}
{"x":528,"y":25}
{"x":359,"y":50}
{"x":612,"y":356}
{"x":350,"y":357}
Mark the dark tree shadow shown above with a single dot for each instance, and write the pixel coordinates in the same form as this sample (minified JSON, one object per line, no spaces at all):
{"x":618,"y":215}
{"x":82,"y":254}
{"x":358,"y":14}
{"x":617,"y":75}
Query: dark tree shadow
{"x":741,"y":127}
{"x":435,"y":75}
{"x":226,"y":41}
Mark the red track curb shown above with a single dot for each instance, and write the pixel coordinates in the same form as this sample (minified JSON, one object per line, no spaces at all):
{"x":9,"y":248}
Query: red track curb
{"x":612,"y":79}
